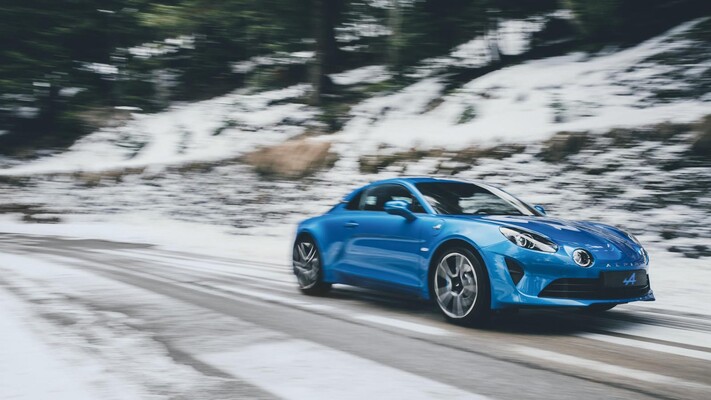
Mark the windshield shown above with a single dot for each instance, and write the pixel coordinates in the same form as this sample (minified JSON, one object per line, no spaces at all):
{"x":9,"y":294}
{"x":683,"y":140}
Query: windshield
{"x":459,"y":198}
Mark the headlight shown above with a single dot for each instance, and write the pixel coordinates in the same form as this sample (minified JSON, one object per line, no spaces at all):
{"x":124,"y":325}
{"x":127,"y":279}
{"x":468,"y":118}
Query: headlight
{"x":529,"y":240}
{"x":582,"y":258}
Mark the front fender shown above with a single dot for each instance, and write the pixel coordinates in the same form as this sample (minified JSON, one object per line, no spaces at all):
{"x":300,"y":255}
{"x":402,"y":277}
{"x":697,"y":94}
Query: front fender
{"x":479,"y":236}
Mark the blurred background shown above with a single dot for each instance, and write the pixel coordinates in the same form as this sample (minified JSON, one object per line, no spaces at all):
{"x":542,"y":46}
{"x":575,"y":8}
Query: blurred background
{"x":218,"y":125}
{"x":247,"y":113}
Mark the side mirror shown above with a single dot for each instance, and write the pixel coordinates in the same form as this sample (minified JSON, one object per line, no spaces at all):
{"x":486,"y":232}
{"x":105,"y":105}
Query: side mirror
{"x":401,"y":208}
{"x":540,"y":209}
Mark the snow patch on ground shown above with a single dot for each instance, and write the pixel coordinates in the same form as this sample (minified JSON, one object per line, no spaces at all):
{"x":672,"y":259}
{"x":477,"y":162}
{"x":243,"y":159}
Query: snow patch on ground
{"x":369,"y":74}
{"x":267,"y":244}
{"x":512,"y":37}
{"x":211,"y":130}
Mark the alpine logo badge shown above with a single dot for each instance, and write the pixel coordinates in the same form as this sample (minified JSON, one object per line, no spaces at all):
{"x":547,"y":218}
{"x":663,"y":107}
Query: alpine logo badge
{"x":630,"y":280}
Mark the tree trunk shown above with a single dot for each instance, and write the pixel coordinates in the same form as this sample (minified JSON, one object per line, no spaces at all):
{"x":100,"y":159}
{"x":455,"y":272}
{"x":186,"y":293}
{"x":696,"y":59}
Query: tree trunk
{"x":395,"y":22}
{"x":325,"y":16}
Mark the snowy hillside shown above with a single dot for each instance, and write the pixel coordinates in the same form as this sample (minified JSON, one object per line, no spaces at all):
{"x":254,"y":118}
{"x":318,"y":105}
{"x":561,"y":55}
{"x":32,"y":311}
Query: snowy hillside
{"x":504,"y":127}
{"x":531,"y":101}
{"x":656,"y":81}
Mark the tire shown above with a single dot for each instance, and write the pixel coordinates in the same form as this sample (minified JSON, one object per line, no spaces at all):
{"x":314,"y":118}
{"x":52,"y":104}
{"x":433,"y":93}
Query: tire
{"x":460,"y":287}
{"x":307,"y":266}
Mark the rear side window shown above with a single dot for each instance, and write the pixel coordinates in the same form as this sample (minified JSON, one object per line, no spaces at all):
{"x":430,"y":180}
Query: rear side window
{"x":354,"y":203}
{"x":374,"y":199}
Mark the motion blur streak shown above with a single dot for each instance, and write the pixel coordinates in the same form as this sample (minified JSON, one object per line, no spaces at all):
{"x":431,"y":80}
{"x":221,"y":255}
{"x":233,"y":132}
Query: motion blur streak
{"x":156,"y":158}
{"x":219,"y":325}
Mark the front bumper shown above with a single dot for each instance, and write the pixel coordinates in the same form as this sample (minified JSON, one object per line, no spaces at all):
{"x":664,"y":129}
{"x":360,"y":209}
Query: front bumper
{"x":553,"y":280}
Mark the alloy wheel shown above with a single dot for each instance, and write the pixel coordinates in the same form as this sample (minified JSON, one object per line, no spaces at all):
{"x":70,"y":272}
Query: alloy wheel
{"x":455,"y":285}
{"x":306,"y":264}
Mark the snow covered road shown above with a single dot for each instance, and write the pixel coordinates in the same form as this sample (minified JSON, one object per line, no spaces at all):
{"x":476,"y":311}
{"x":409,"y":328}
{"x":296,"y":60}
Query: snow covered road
{"x":87,"y":318}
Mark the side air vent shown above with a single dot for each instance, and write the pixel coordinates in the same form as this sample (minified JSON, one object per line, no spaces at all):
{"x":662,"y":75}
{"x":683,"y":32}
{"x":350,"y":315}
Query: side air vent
{"x":515,"y":270}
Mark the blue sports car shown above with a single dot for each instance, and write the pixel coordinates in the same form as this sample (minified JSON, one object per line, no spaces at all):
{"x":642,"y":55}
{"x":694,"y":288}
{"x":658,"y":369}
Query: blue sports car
{"x":472,"y":248}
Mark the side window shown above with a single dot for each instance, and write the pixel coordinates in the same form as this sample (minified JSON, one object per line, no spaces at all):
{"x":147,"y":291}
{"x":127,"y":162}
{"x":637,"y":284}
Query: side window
{"x":374,"y":199}
{"x":354,"y":203}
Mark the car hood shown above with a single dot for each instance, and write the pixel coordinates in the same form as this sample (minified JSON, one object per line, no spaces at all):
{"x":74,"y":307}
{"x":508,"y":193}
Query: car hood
{"x":603,"y":241}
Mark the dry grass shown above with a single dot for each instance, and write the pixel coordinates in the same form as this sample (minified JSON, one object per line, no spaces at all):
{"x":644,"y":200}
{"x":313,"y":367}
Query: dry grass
{"x":452,"y":161}
{"x":293,"y":159}
{"x":31,"y":213}
{"x":372,"y":164}
{"x":563,"y":144}
{"x":91,"y":179}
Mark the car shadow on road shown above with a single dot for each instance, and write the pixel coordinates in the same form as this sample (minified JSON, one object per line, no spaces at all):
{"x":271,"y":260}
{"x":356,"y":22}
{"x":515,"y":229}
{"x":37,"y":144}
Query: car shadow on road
{"x":554,"y":322}
{"x":526,"y":321}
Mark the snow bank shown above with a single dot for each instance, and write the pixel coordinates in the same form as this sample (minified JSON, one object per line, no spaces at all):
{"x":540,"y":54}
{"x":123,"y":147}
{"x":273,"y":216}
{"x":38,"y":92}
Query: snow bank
{"x":270,"y":243}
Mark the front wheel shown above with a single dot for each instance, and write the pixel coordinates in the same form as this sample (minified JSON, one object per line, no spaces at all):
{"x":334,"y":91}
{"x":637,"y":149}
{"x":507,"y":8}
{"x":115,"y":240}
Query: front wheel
{"x":307,"y":265}
{"x":460,"y":287}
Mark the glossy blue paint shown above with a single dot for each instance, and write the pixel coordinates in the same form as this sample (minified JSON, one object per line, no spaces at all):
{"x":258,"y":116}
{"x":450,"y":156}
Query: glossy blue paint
{"x":393,"y":249}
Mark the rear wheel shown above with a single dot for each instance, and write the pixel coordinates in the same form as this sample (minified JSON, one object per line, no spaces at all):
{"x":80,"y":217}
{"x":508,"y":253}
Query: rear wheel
{"x":307,"y":264}
{"x":460,"y":287}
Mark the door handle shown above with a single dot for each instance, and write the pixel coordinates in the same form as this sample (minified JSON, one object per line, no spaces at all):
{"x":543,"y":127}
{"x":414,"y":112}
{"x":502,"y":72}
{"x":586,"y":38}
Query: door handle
{"x":351,"y":224}
{"x":437,"y":228}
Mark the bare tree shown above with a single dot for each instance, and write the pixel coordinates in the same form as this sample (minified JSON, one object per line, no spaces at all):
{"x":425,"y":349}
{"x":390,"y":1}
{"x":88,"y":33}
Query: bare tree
{"x":325,"y":15}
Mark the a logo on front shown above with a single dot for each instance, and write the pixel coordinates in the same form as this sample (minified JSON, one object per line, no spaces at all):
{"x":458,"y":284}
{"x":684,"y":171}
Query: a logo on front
{"x":630,"y":280}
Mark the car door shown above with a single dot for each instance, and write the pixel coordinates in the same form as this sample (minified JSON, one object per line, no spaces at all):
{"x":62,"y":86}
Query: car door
{"x":384,"y":248}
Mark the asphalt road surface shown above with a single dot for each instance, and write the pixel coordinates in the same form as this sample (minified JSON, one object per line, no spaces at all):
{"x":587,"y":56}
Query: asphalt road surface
{"x":239,"y":329}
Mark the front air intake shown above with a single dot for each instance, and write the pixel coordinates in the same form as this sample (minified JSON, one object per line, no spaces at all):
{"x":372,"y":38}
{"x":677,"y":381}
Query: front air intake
{"x":590,"y":289}
{"x":515,"y":270}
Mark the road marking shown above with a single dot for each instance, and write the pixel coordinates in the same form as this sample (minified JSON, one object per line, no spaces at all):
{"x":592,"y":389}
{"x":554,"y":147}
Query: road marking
{"x":641,"y":344}
{"x":605,"y":368}
{"x":319,"y":307}
{"x":262,"y":295}
{"x":213,"y":259}
{"x":300,"y":369}
{"x":278,"y":278}
{"x":270,"y":297}
{"x":398,"y":323}
{"x":197,"y":262}
{"x":675,"y":335}
{"x":225,"y":291}
{"x":148,"y":276}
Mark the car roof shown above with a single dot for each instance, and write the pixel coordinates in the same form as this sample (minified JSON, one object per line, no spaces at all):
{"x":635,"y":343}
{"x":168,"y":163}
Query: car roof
{"x":407,"y":181}
{"x":414,"y":180}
